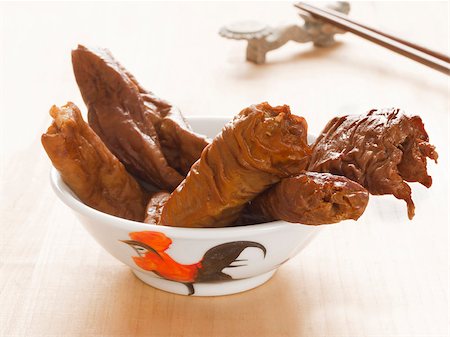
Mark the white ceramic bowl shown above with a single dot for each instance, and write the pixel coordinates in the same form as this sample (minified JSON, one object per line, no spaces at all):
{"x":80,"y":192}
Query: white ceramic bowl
{"x":193,"y":261}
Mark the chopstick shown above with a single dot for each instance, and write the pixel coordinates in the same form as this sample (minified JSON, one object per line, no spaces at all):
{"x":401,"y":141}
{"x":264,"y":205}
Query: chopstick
{"x":415,"y":52}
{"x":407,"y":43}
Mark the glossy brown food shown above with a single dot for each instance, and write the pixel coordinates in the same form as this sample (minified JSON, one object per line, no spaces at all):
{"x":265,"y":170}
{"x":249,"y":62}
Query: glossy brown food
{"x":89,"y":168}
{"x":259,"y":147}
{"x":181,"y":146}
{"x":310,"y":199}
{"x":155,"y":206}
{"x":131,"y":121}
{"x":380,"y":150}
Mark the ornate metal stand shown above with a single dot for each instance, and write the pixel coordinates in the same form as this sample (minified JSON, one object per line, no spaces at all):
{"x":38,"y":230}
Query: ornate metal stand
{"x":263,"y":38}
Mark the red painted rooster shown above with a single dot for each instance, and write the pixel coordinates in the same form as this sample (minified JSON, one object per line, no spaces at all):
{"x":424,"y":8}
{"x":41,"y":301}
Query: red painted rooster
{"x":151,"y":247}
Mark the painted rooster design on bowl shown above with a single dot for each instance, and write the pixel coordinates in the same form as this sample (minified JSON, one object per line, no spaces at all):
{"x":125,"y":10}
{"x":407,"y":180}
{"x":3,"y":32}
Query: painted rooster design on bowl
{"x":150,"y":247}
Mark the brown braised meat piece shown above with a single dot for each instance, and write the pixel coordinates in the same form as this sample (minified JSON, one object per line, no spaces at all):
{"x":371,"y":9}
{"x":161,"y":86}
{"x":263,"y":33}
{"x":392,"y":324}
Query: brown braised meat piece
{"x":181,"y":146}
{"x":155,"y":206}
{"x":259,"y":147}
{"x":380,"y":150}
{"x":128,"y":119}
{"x":87,"y":166}
{"x":310,"y":199}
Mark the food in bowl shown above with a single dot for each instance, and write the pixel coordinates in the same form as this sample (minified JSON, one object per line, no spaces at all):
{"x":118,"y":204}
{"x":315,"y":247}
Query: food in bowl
{"x":309,"y":198}
{"x":93,"y":173}
{"x":380,"y":150}
{"x":147,"y":134}
{"x":259,"y":168}
{"x":262,"y":145}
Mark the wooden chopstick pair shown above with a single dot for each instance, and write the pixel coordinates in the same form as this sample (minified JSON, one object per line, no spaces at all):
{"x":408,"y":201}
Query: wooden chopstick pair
{"x":430,"y":58}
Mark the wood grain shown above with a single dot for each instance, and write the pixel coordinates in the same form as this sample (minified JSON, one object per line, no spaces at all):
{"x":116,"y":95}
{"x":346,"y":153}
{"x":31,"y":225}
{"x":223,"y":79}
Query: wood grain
{"x":381,"y":276}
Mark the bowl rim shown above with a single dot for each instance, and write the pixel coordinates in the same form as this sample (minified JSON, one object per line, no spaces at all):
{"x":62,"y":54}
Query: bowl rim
{"x":68,"y":197}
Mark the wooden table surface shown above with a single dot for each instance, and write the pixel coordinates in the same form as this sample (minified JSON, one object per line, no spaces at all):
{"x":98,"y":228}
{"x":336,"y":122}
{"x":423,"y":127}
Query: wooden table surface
{"x":381,"y":276}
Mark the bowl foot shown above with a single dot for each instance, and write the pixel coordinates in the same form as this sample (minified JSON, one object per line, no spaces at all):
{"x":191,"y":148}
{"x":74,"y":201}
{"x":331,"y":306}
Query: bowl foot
{"x":204,"y":289}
